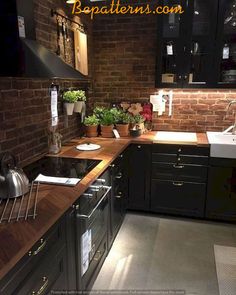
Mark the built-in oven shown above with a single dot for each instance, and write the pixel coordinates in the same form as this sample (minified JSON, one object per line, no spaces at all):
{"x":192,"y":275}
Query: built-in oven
{"x":92,"y":213}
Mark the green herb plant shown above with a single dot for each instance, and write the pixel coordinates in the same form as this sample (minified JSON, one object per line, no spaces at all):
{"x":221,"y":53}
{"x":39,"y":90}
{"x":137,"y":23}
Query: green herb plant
{"x":91,"y":120}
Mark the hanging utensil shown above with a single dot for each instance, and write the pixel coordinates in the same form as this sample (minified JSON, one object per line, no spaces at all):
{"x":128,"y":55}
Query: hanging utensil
{"x":58,"y":51}
{"x":64,"y":38}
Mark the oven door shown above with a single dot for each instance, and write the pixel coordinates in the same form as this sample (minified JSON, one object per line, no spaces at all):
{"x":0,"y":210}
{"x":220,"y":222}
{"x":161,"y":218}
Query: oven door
{"x":92,"y":238}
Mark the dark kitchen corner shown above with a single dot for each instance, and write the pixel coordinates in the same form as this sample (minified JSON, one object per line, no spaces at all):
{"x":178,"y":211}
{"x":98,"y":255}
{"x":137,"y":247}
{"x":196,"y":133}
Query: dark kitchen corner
{"x":118,"y":147}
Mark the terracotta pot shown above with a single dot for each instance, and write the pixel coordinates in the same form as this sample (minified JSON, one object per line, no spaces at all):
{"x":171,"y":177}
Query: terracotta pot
{"x":68,"y":107}
{"x":78,"y":106}
{"x":91,"y":131}
{"x":106,"y":131}
{"x":123,"y":129}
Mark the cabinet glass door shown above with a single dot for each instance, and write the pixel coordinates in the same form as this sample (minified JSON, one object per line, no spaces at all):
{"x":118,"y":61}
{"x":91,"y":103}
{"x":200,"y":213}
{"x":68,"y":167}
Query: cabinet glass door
{"x":170,"y":34}
{"x":203,"y":25}
{"x":226,"y":42}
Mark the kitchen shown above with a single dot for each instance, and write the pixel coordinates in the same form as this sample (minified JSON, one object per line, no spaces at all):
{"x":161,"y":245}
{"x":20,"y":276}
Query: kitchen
{"x":125,"y":63}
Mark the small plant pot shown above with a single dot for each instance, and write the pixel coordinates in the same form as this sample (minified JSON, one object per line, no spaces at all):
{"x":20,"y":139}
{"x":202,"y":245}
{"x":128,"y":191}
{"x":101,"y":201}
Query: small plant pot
{"x":78,"y":106}
{"x":69,"y":107}
{"x":135,"y":132}
{"x":123,"y":129}
{"x":91,"y":131}
{"x":107,"y":131}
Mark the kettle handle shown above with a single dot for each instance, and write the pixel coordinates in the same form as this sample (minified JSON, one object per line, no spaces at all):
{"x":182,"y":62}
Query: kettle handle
{"x":4,"y":158}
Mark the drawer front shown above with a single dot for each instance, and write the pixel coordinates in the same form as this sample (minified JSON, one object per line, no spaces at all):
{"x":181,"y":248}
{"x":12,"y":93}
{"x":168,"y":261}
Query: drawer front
{"x":50,"y":275}
{"x":180,"y":158}
{"x":184,"y":198}
{"x":180,"y":149}
{"x":53,"y":239}
{"x":169,"y":171}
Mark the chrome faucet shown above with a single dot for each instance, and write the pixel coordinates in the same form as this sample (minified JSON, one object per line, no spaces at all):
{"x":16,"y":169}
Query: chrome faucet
{"x":233,"y":127}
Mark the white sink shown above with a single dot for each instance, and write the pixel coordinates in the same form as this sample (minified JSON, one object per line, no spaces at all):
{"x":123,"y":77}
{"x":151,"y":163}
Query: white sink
{"x":175,"y":137}
{"x":223,"y":145}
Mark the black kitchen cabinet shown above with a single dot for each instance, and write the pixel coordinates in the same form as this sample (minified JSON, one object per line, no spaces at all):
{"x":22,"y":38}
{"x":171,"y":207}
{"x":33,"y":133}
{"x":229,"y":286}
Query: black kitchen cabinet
{"x":221,"y":192}
{"x":119,"y":196}
{"x":179,"y":177}
{"x":226,"y":44}
{"x":12,"y":55}
{"x":43,"y":268}
{"x":73,"y":284}
{"x":139,"y":176}
{"x":198,"y":47}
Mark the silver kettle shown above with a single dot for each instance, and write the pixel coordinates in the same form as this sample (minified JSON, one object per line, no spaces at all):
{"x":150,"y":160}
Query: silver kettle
{"x":13,"y":181}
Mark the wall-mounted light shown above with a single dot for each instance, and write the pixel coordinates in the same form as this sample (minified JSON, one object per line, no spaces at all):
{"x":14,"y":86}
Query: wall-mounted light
{"x":70,"y":1}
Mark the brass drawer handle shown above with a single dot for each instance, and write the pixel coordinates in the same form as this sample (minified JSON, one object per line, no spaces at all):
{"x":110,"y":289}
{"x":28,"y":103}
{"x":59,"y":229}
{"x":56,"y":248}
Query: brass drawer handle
{"x":119,"y":195}
{"x":40,"y":248}
{"x":43,"y":287}
{"x":178,"y":166}
{"x":178,"y":183}
{"x":97,"y":255}
{"x":119,"y":176}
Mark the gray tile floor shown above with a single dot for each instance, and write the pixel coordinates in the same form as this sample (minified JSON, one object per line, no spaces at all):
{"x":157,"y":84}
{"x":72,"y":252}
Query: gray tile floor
{"x":158,"y":253}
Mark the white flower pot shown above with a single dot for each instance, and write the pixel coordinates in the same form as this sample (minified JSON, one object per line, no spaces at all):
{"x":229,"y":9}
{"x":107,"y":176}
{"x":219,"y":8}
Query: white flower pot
{"x":69,"y":107}
{"x":78,"y":106}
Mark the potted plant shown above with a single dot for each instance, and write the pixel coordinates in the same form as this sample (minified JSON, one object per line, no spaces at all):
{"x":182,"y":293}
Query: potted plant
{"x":107,"y":123}
{"x":91,"y":123}
{"x":137,"y":125}
{"x":81,"y":98}
{"x":69,"y":98}
{"x":122,"y":123}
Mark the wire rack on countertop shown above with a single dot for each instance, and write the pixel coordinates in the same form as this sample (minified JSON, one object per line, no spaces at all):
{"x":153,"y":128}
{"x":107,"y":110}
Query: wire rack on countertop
{"x":20,"y":208}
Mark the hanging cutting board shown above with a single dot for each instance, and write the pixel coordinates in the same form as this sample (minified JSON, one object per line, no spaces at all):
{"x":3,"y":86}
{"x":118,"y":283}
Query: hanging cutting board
{"x":81,"y":52}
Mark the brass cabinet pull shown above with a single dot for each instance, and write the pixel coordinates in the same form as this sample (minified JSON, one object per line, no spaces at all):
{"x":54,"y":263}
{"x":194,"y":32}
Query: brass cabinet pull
{"x":97,"y":255}
{"x":178,"y":183}
{"x":119,"y":195}
{"x":119,"y":176}
{"x":42,"y":288}
{"x":40,"y":248}
{"x":178,"y":166}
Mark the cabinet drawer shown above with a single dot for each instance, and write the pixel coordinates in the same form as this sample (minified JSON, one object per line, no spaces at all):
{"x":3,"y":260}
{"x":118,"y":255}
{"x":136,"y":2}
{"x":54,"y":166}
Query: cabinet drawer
{"x":180,"y":149}
{"x":50,"y":275}
{"x":170,"y":171}
{"x":184,"y":198}
{"x":180,"y":158}
{"x":53,"y":240}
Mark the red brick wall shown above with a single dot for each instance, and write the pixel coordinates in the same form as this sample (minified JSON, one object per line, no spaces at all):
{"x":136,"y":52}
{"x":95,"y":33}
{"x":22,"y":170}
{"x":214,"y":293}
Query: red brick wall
{"x":25,"y":115}
{"x":25,"y":103}
{"x":124,"y":69}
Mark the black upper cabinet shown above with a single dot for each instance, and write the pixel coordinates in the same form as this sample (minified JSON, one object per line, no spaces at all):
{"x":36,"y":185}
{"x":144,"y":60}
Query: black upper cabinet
{"x":226,"y":44}
{"x":198,"y":47}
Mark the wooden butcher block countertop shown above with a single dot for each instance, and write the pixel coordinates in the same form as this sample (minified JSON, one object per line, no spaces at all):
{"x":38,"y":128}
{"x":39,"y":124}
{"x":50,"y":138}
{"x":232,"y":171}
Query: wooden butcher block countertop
{"x":16,"y":239}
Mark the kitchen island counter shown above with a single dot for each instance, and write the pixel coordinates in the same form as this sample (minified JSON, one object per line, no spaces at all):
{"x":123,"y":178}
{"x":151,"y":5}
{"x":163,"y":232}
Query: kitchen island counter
{"x":17,"y":239}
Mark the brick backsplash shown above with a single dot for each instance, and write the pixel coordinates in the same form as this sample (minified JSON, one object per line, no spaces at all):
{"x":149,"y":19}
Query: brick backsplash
{"x":25,"y":115}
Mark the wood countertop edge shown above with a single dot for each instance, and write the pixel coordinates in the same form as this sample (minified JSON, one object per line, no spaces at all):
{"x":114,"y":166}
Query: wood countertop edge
{"x":53,"y":205}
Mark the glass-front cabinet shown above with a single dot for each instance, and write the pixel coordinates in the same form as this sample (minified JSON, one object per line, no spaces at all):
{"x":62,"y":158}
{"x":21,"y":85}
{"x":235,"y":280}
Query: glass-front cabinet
{"x":226,"y":43}
{"x":198,"y":47}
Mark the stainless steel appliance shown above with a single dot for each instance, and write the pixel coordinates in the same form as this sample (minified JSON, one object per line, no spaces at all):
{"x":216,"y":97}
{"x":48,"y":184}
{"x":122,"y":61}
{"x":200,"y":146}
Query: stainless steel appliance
{"x":13,"y":181}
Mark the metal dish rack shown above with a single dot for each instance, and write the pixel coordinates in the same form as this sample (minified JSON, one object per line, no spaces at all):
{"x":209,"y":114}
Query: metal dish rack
{"x":20,"y":208}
